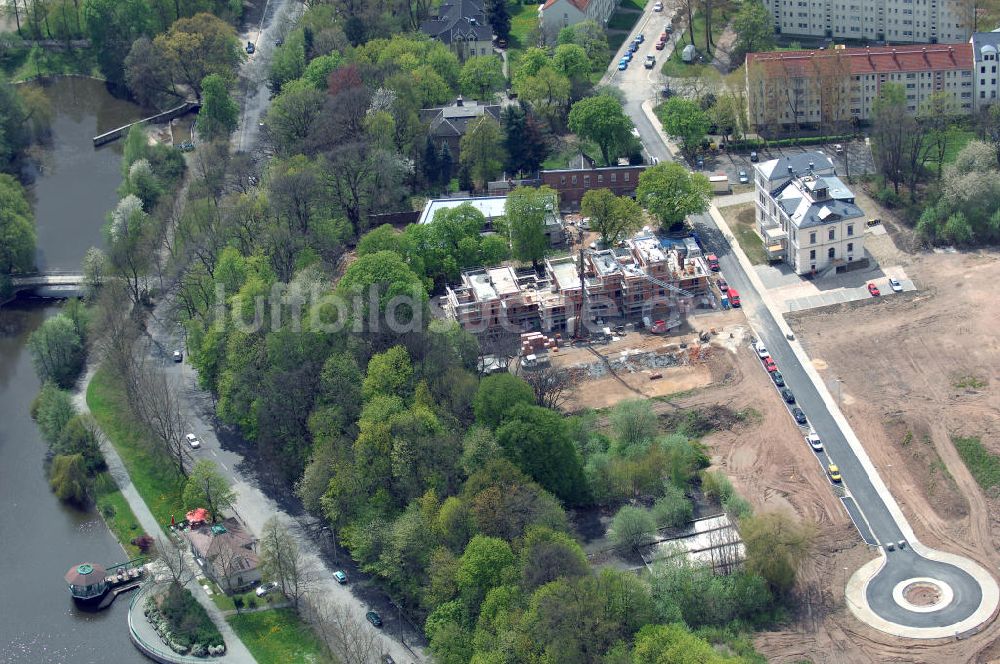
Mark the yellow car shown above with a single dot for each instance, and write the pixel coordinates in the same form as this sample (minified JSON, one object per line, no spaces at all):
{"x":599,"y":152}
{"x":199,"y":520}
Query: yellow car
{"x":834,"y":472}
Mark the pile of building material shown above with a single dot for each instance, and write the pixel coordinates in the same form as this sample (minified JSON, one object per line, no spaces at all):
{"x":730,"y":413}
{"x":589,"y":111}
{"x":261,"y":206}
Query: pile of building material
{"x":536,"y":342}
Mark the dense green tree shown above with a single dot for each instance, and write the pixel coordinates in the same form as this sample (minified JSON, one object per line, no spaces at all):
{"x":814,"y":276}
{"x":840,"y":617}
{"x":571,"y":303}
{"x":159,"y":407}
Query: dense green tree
{"x":293,"y":115}
{"x":602,"y":120}
{"x":504,"y":502}
{"x":591,"y":37}
{"x":17,"y":228}
{"x":547,"y":555}
{"x":614,"y":217}
{"x":526,"y":211}
{"x":496,"y":399}
{"x":546,"y":90}
{"x":632,"y":527}
{"x":674,"y":644}
{"x":776,"y":544}
{"x":317,"y":72}
{"x":289,"y":61}
{"x":198,"y":46}
{"x":487,"y":562}
{"x":525,"y":141}
{"x":52,"y":409}
{"x":68,"y":479}
{"x":112,"y":26}
{"x":389,"y":374}
{"x":498,"y":16}
{"x":754,"y":30}
{"x":57,"y":351}
{"x":684,"y":119}
{"x":219,"y":114}
{"x":79,"y":436}
{"x":673,"y":509}
{"x":482,"y":150}
{"x":482,"y":77}
{"x":385,"y":277}
{"x":536,"y":440}
{"x":130,"y":235}
{"x":206,"y":487}
{"x":671,"y":192}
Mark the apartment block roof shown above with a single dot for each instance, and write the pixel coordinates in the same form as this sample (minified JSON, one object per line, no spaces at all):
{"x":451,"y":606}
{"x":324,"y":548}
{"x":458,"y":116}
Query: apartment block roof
{"x":579,"y":4}
{"x":867,"y":60}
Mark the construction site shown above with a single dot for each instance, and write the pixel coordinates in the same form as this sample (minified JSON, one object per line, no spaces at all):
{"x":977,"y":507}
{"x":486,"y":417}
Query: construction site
{"x":646,"y":281}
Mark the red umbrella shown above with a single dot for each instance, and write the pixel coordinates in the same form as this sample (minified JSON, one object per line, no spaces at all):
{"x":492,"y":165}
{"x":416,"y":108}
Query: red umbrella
{"x":199,"y":515}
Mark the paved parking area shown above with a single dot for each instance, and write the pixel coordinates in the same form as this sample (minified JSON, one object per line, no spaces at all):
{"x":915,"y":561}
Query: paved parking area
{"x":856,"y":160}
{"x":794,"y":293}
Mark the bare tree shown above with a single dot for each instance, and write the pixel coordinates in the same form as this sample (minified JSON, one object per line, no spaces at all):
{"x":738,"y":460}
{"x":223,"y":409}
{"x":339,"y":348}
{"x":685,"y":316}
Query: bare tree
{"x":551,"y":385}
{"x":726,"y":550}
{"x":499,"y":345}
{"x":282,"y":560}
{"x":155,"y":402}
{"x":345,"y":634}
{"x":173,"y":559}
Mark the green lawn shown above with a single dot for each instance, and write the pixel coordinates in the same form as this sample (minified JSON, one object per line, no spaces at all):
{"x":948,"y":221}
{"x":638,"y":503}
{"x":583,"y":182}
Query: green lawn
{"x":634,"y":5}
{"x":277,"y":637}
{"x":958,"y":138}
{"x":23,"y":62}
{"x":741,"y":221}
{"x":153,"y":476}
{"x":523,"y":21}
{"x":983,"y":464}
{"x":117,"y":513}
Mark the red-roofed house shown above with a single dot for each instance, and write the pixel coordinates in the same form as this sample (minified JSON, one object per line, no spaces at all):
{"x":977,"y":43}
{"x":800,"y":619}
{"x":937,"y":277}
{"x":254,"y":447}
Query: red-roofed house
{"x":555,"y":15}
{"x":829,"y":88}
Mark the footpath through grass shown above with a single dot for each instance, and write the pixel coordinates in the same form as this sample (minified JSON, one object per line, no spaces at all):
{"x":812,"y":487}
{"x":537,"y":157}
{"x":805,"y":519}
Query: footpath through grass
{"x":983,"y":464}
{"x":278,"y":637}
{"x":152,"y":474}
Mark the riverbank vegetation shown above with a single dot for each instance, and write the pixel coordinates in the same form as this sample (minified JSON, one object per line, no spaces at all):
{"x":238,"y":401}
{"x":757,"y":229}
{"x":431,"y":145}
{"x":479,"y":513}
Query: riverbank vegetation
{"x":182,"y":622}
{"x":17,"y":232}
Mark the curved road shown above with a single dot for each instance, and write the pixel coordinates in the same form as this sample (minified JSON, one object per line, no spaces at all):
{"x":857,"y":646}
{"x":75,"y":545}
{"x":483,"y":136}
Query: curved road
{"x":973,"y":598}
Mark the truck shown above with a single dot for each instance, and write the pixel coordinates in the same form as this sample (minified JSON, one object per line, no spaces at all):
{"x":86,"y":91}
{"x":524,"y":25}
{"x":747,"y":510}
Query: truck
{"x":713,"y":262}
{"x":687,"y":55}
{"x":659,"y":326}
{"x":734,"y":297}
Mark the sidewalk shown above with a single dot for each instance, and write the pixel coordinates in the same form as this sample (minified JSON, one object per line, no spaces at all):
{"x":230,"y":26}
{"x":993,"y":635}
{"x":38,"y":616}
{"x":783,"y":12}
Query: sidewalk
{"x":236,"y":651}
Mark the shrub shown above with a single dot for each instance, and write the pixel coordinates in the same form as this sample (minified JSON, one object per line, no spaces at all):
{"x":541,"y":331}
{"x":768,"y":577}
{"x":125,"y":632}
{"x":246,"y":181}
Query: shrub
{"x":888,"y":197}
{"x":673,"y":509}
{"x":188,"y":622}
{"x":632,"y":527}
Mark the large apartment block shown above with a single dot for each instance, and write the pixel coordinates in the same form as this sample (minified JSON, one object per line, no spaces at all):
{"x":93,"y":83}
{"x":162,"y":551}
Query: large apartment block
{"x":894,"y":21}
{"x":807,"y":215}
{"x":616,"y":284}
{"x":830,"y":89}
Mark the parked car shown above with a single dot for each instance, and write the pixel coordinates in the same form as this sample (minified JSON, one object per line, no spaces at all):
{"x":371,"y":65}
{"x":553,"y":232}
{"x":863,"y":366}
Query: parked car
{"x":770,"y":365}
{"x":250,"y":48}
{"x":753,"y":156}
{"x":340,"y":577}
{"x":814,"y":442}
{"x":193,"y":441}
{"x":799,"y":416}
{"x":895,"y":285}
{"x":723,"y":285}
{"x":178,"y":356}
{"x":834,"y":472}
{"x":658,"y":7}
{"x":700,"y":163}
{"x":622,"y":65}
{"x":374,"y":618}
{"x":387,"y":659}
{"x":787,"y":395}
{"x":838,"y":148}
{"x":873,"y":289}
{"x":778,"y":379}
{"x":639,"y":38}
{"x":660,"y":45}
{"x":279,"y":41}
{"x":761,"y":350}
{"x":627,"y":57}
{"x":669,"y":29}
{"x":666,"y":92}
{"x":650,"y":61}
{"x":266,"y":588}
{"x":743,"y":177}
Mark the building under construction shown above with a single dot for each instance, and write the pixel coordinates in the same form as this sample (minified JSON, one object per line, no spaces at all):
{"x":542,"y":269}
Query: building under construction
{"x":642,"y":279}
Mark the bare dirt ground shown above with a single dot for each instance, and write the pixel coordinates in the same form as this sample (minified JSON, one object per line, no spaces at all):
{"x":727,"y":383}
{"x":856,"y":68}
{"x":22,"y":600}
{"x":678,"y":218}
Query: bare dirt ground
{"x":913,"y":372}
{"x":607,"y":374}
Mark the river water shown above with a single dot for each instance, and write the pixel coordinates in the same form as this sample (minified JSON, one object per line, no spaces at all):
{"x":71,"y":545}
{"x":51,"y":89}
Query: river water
{"x":40,"y":538}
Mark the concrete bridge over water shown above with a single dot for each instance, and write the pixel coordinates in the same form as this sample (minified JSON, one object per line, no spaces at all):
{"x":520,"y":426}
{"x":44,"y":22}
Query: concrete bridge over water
{"x":55,"y":284}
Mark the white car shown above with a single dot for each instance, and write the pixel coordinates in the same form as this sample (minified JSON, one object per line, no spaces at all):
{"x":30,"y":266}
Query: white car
{"x":193,"y":441}
{"x":658,"y":7}
{"x":895,"y":285}
{"x":761,"y":350}
{"x":814,"y":442}
{"x":838,"y":148}
{"x":266,"y":588}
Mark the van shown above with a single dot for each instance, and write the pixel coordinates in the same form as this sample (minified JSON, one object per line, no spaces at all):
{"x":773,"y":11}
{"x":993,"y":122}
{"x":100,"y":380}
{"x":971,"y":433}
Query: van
{"x":734,"y":297}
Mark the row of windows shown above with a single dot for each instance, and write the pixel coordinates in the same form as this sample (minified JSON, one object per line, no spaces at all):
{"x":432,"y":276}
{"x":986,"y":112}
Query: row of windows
{"x":831,"y":252}
{"x":600,"y":178}
{"x":831,"y":234}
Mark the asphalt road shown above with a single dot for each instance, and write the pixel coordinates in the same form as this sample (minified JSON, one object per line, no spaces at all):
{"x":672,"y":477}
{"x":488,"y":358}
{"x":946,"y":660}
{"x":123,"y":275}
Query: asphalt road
{"x":900,"y":564}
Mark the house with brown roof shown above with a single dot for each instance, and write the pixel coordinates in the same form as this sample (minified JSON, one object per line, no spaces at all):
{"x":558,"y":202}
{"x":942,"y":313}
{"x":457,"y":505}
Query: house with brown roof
{"x":554,"y":15}
{"x":227,"y":553}
{"x":448,"y":124}
{"x":830,"y":89}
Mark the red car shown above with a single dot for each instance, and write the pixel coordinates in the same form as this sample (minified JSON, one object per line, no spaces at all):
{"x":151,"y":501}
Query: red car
{"x":770,"y":365}
{"x":873,"y":289}
{"x":660,"y":45}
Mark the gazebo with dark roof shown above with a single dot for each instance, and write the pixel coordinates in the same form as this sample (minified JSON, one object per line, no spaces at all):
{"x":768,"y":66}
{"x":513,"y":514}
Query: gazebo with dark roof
{"x":87,"y":581}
